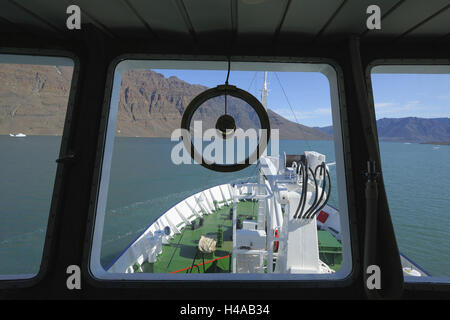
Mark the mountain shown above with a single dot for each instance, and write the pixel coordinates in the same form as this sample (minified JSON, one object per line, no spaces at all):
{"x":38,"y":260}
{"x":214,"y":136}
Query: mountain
{"x":33,"y":100}
{"x":328,"y":130}
{"x":410,"y":129}
{"x":290,"y":130}
{"x":414,"y":129}
{"x":152,"y":105}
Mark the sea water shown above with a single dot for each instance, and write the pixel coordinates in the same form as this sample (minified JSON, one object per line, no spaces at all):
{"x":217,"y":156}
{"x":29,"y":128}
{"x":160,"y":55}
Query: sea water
{"x":145,"y":183}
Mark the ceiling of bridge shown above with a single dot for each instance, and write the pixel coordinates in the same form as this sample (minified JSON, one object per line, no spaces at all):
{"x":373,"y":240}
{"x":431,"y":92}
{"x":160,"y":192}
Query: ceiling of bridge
{"x":241,"y":21}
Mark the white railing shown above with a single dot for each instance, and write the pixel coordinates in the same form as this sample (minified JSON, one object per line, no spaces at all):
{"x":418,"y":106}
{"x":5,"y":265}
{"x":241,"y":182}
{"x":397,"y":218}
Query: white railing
{"x":149,"y":244}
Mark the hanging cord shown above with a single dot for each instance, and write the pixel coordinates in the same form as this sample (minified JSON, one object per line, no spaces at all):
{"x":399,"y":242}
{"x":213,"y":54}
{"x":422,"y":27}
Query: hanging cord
{"x":251,"y":82}
{"x":229,"y":68}
{"x":226,"y":82}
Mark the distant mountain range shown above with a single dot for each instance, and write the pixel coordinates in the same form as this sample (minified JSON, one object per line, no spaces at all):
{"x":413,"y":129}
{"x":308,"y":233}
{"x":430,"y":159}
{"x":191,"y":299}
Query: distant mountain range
{"x":410,"y":129}
{"x":152,"y":105}
{"x":33,"y":100}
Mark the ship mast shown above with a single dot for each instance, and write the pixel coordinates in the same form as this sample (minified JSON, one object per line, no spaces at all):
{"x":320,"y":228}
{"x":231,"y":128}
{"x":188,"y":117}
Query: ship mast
{"x":264,"y":92}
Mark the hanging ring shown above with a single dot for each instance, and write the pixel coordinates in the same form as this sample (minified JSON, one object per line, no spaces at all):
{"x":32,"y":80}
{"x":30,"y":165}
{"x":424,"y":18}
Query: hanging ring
{"x":237,"y":93}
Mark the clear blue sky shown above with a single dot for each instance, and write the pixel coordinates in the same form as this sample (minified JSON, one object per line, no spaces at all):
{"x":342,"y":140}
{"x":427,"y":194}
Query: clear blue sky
{"x":411,"y":95}
{"x":395,"y":95}
{"x":308,"y":93}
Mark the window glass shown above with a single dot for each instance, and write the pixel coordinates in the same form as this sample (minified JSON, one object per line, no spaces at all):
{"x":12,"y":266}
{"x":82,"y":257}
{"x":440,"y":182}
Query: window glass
{"x":161,"y":215}
{"x":34,"y":94}
{"x":412,"y":106}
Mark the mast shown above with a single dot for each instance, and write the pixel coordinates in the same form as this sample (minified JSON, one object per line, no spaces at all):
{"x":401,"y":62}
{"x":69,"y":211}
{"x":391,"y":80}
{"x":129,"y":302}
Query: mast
{"x":264,"y":91}
{"x":262,"y":204}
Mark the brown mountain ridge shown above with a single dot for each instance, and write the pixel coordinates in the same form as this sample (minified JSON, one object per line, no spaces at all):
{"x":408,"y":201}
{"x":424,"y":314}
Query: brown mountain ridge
{"x":33,"y":101}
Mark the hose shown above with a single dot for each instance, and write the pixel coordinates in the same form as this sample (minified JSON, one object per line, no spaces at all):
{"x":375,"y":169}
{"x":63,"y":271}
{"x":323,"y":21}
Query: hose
{"x":314,"y":204}
{"x":302,"y":201}
{"x":327,"y":173}
{"x":300,"y":173}
{"x":324,"y":183}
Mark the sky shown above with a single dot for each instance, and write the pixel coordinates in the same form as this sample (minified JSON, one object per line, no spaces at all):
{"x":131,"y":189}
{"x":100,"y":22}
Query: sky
{"x":308,"y":93}
{"x":306,"y":96}
{"x":411,"y":95}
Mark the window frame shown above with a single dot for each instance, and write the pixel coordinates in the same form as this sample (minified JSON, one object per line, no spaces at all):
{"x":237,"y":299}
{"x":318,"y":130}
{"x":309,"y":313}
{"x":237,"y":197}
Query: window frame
{"x":28,"y":280}
{"x":340,"y":123}
{"x":410,"y":280}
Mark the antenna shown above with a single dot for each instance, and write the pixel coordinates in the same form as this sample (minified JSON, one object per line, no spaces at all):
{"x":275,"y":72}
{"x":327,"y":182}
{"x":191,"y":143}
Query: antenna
{"x":264,"y":91}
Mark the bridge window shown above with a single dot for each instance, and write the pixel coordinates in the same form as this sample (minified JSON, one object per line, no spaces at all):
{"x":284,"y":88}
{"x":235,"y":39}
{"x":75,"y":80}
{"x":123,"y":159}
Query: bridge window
{"x":162,"y":216}
{"x":34,"y":93}
{"x":412,"y":107}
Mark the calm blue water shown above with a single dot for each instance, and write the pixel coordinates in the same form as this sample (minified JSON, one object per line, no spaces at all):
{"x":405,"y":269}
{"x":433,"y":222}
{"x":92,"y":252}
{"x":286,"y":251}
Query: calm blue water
{"x":145,"y":183}
{"x":26,"y":182}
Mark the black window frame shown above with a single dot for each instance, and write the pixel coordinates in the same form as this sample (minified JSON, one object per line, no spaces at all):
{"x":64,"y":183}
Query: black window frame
{"x":24,"y":282}
{"x":120,"y":283}
{"x":413,"y":283}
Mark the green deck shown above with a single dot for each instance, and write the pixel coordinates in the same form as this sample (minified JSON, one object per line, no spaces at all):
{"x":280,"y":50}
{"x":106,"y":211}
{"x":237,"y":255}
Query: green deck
{"x":178,"y":255}
{"x":330,"y":250}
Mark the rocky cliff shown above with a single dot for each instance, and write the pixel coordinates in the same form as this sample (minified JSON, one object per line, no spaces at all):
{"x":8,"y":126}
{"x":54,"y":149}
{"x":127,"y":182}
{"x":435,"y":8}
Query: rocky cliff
{"x":33,"y":100}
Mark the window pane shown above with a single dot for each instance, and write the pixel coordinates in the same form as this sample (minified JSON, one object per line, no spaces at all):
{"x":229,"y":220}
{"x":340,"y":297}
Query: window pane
{"x":412,"y":105}
{"x":34,"y":94}
{"x":150,"y":184}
